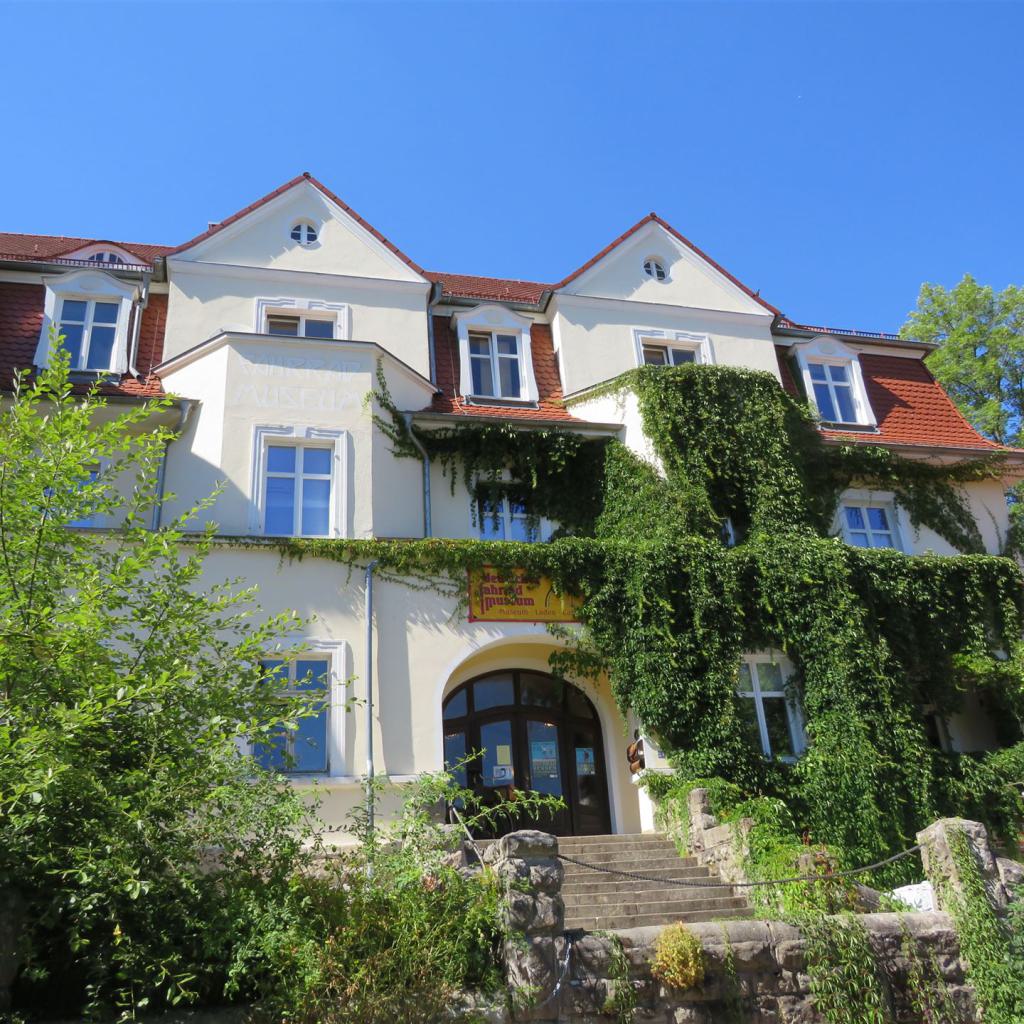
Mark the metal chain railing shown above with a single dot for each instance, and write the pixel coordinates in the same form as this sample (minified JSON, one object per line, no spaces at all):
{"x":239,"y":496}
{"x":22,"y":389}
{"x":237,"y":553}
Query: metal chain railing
{"x":604,"y":869}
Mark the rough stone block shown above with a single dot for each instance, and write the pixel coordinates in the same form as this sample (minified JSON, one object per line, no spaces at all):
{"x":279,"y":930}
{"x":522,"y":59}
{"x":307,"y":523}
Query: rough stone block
{"x":546,"y":877}
{"x":533,"y":914}
{"x":528,"y":844}
{"x":941,"y":869}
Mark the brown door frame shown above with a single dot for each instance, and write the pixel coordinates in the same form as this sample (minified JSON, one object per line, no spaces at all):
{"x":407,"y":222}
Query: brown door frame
{"x":569,"y":821}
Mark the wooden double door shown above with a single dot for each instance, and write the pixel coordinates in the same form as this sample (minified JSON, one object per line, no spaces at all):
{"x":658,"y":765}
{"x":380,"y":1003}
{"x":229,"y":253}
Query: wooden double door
{"x":530,"y":731}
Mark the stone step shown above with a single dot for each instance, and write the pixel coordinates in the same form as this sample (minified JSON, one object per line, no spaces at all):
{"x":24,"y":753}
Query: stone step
{"x":576,"y":901}
{"x":636,"y":849}
{"x":593,"y":881}
{"x":576,"y":876}
{"x":630,"y":862}
{"x":614,"y":840}
{"x":613,"y":921}
{"x":640,"y":908}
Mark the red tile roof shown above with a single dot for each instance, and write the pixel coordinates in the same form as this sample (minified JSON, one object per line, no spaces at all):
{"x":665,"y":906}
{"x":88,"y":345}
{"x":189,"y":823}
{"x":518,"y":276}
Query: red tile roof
{"x":909,"y":404}
{"x":298,"y":180}
{"x":653,"y":218}
{"x":21,"y":320}
{"x":50,"y":247}
{"x":545,"y":369}
{"x":498,"y":289}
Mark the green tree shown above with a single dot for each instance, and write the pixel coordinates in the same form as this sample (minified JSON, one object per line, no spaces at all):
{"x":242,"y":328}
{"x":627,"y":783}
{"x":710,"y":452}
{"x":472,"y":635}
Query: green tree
{"x":980,"y":358}
{"x":137,"y":837}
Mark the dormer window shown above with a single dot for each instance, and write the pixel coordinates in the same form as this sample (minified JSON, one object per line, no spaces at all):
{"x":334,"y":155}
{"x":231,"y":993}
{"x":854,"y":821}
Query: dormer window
{"x":304,"y":233}
{"x":88,"y":327}
{"x":833,"y":391}
{"x":92,"y":310}
{"x":834,"y":382}
{"x":105,"y":257}
{"x":496,"y":362}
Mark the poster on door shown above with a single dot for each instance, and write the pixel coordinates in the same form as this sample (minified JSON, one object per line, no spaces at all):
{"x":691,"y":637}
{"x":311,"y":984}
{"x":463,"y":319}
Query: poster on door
{"x":493,"y":598}
{"x":585,"y":764}
{"x":544,"y":759}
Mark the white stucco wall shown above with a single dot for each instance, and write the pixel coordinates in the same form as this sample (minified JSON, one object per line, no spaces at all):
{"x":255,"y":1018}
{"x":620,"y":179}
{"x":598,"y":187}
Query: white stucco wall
{"x":595,"y":338}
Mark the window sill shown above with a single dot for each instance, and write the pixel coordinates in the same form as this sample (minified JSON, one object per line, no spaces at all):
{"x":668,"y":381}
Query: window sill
{"x":511,"y":403}
{"x":853,"y":428}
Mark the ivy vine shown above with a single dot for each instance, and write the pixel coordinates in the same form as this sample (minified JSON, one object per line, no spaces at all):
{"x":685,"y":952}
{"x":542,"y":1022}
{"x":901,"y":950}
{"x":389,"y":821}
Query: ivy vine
{"x":669,"y":605}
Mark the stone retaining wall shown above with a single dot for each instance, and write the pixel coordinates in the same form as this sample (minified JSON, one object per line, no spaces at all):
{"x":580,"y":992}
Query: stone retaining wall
{"x":560,"y":978}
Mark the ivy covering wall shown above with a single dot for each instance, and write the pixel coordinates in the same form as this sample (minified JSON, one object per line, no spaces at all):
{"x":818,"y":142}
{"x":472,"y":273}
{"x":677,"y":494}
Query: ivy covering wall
{"x":875,"y":635}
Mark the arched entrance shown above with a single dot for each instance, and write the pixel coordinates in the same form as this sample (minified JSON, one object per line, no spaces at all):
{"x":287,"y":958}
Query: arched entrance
{"x":536,"y":732}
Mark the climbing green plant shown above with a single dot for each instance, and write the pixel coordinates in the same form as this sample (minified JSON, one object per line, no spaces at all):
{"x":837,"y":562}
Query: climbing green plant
{"x":994,"y":965}
{"x":846,"y":983}
{"x":670,"y":604}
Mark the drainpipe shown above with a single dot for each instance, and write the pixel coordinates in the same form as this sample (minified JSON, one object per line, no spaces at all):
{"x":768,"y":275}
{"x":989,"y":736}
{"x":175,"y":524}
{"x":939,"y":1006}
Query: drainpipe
{"x":369,"y":695}
{"x":133,"y":347}
{"x":426,"y":475}
{"x":432,"y":298}
{"x":184,"y":415}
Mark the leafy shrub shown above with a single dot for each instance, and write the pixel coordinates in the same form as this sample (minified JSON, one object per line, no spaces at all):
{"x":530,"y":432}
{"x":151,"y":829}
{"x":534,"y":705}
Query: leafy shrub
{"x":678,"y":958}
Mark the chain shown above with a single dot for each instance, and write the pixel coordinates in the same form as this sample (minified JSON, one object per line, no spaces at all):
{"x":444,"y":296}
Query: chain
{"x":570,"y":938}
{"x":738,"y":885}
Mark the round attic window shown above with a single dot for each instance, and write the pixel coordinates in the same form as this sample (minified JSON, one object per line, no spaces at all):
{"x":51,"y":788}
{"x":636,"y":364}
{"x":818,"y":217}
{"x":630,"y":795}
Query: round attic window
{"x":653,"y":267}
{"x":304,"y":233}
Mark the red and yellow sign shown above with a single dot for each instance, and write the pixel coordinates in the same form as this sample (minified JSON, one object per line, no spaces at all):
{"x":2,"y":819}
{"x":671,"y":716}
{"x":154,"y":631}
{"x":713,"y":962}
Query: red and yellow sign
{"x":492,"y":598}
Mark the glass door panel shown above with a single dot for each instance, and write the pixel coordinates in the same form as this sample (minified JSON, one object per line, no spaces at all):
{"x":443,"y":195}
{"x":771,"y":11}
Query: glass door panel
{"x":589,"y":798}
{"x":498,"y":764}
{"x":544,"y":759}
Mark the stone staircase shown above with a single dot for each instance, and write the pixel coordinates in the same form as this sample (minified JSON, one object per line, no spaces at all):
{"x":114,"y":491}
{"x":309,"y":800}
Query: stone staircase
{"x":596,"y":901}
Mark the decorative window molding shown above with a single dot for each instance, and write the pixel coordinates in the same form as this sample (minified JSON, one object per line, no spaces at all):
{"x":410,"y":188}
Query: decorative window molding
{"x":870,"y":519}
{"x":827,"y":352}
{"x":334,"y":717}
{"x":679,"y":347}
{"x":335,"y":441}
{"x":339,"y":313}
{"x":105,"y":256}
{"x":763,"y":679}
{"x":90,"y":294}
{"x":500,"y":323}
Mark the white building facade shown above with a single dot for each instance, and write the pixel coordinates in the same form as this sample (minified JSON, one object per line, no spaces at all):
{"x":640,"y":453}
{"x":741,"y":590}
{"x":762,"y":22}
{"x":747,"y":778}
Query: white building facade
{"x":268,"y":330}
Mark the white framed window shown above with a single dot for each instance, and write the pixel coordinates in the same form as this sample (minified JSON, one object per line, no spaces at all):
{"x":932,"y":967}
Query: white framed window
{"x":834,"y":381}
{"x":91,"y":309}
{"x":94,"y":519}
{"x":299,"y":482}
{"x":656,"y":347}
{"x":505,"y":519}
{"x":495,"y":364}
{"x":869,"y":524}
{"x":294,"y":326}
{"x":305,"y":233}
{"x":89,"y":329}
{"x":668,"y":355}
{"x":495,"y":355}
{"x":306,"y":748}
{"x":303,"y":318}
{"x":833,"y":391}
{"x":105,"y":257}
{"x":771,"y":714}
{"x":654,"y":266}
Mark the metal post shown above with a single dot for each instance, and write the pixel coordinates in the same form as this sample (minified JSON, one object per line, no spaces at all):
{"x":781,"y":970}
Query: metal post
{"x":369,"y":696}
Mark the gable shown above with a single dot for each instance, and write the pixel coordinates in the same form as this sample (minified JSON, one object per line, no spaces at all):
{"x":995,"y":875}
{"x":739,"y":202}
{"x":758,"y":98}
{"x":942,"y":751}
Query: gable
{"x":261,"y":236}
{"x":692,"y":279}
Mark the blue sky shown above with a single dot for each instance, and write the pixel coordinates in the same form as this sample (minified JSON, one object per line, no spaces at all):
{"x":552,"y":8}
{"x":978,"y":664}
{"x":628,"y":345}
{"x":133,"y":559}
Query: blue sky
{"x":832,"y":155}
